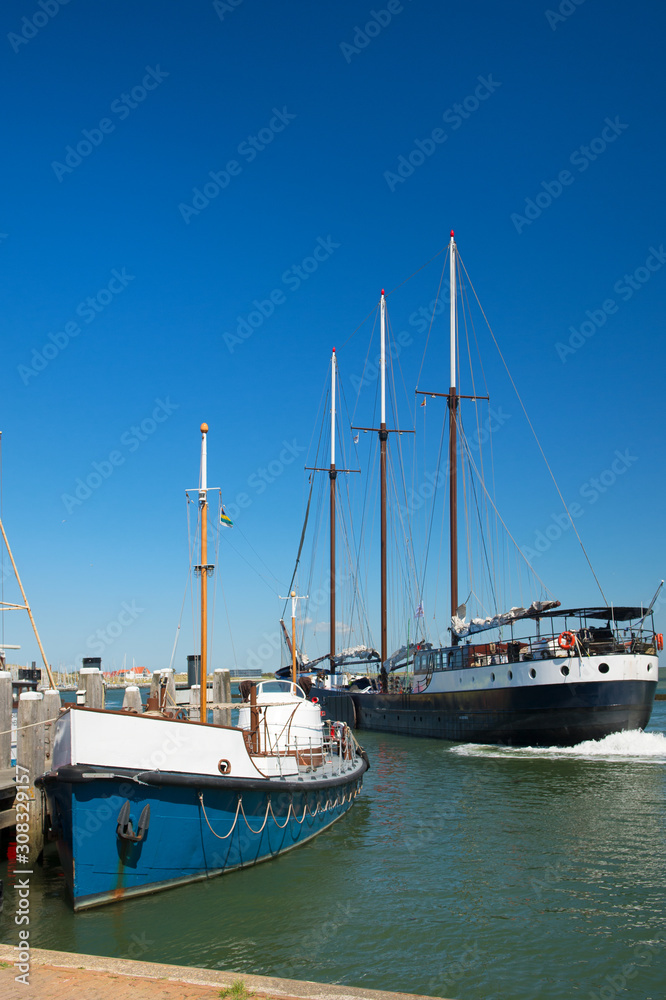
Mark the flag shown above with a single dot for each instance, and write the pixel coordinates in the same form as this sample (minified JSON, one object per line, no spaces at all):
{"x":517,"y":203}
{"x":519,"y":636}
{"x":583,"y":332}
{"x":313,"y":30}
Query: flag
{"x":423,"y":401}
{"x":356,"y":439}
{"x":224,"y":519}
{"x":419,"y":611}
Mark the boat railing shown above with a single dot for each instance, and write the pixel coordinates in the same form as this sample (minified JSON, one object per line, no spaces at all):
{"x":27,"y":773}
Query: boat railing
{"x":572,"y":641}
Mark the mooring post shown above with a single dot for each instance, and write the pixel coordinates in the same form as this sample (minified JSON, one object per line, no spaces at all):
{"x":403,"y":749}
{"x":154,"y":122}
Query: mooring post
{"x":30,"y":764}
{"x":5,"y":720}
{"x":51,"y":713}
{"x":92,"y":682}
{"x":222,"y":695}
{"x":195,"y":703}
{"x":132,"y":699}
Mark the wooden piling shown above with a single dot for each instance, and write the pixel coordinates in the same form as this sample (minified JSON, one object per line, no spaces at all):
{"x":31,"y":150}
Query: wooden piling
{"x":30,"y":764}
{"x":92,"y":682}
{"x":195,"y":703}
{"x":156,"y":686}
{"x":221,"y":695}
{"x":5,"y":719}
{"x":51,"y":713}
{"x":132,"y":699}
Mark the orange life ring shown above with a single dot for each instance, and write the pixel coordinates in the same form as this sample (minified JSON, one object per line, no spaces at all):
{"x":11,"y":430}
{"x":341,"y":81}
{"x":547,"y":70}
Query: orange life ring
{"x":660,"y":640}
{"x":567,"y":640}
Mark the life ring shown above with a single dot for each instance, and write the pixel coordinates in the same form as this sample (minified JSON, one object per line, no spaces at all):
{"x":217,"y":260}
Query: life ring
{"x":660,"y":640}
{"x":567,"y":640}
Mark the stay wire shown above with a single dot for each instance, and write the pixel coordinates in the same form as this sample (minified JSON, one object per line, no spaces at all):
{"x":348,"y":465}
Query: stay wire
{"x":543,"y":455}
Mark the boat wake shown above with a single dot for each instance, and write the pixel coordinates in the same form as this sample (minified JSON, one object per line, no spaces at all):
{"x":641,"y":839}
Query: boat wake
{"x":631,"y":744}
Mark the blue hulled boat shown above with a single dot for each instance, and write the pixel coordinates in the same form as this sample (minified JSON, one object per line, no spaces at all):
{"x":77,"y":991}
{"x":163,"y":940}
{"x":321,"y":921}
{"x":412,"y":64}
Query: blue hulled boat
{"x":142,"y":801}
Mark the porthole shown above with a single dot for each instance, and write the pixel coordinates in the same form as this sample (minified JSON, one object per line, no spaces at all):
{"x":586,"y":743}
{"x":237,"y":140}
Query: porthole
{"x":564,"y":671}
{"x":492,"y":677}
{"x":224,"y":767}
{"x":603,"y":668}
{"x":532,"y":673}
{"x":511,"y":675}
{"x":649,"y":666}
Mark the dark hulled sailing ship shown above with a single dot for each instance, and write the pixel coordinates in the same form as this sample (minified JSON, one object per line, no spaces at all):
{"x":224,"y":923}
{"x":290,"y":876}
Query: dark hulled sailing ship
{"x":563,"y":675}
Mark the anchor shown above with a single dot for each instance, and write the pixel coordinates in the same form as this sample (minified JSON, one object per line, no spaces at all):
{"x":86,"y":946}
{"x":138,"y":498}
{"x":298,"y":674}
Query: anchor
{"x":125,"y":830}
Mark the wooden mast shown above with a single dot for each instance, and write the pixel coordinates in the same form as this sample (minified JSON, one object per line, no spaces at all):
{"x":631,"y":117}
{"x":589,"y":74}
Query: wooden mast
{"x":453,"y":439}
{"x":384,"y":432}
{"x":383,"y":435}
{"x":453,"y":398}
{"x":205,"y":569}
{"x":332,"y":475}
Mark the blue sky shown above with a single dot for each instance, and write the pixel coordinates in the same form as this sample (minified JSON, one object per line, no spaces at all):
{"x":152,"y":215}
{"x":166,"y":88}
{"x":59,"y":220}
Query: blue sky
{"x":175,"y":172}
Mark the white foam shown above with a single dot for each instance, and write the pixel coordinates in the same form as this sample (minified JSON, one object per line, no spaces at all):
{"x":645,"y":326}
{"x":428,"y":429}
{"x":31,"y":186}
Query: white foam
{"x":630,"y":744}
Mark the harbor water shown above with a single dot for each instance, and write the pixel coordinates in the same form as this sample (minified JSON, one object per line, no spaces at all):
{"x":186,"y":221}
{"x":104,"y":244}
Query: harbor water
{"x":477,"y":873}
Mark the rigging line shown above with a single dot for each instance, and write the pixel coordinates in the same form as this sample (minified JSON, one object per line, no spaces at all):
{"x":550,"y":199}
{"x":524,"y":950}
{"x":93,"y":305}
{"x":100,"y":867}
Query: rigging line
{"x":432,"y":318}
{"x":218,"y":575}
{"x":2,"y":550}
{"x":527,"y":562}
{"x":194,"y":542}
{"x":300,"y":547}
{"x":543,"y":455}
{"x":434,"y":257}
{"x":483,"y":540}
{"x":477,"y":403}
{"x":251,"y":546}
{"x":432,"y":510}
{"x":187,"y":584}
{"x":395,"y":289}
{"x":248,"y":563}
{"x":365,"y":363}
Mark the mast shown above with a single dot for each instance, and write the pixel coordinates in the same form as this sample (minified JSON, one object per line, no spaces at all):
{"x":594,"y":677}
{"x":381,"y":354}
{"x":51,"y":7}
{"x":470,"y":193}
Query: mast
{"x":384,"y":432}
{"x":453,"y":438}
{"x":205,"y":570}
{"x":383,"y":435}
{"x":453,"y":398}
{"x":332,"y":475}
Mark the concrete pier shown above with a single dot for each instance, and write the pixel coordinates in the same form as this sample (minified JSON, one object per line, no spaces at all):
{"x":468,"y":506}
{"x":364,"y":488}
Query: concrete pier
{"x":60,"y":975}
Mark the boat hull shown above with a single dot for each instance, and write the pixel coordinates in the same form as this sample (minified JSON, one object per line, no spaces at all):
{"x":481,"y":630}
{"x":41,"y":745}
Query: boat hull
{"x":199,"y":827}
{"x":545,"y":715}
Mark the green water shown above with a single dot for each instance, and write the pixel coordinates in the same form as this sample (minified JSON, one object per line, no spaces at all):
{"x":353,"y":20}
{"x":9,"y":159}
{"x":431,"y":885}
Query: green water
{"x":475,"y":873}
